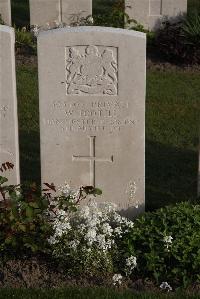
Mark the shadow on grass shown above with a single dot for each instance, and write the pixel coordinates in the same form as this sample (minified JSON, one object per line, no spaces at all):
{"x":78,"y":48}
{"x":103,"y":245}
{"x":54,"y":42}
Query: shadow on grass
{"x":171,"y":175}
{"x":30,"y":157}
{"x":20,"y":13}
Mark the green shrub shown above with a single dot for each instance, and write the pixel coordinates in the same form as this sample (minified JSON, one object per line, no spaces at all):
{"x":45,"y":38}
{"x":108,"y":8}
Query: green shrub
{"x":180,"y":41}
{"x":94,"y":240}
{"x":25,"y":41}
{"x":113,"y":17}
{"x":25,"y":214}
{"x":22,"y":221}
{"x":166,"y":244}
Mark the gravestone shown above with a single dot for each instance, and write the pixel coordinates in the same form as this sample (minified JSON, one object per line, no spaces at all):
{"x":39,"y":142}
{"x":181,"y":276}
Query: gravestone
{"x":47,"y":13}
{"x":72,"y":10}
{"x":9,"y":149}
{"x":5,"y":11}
{"x":150,"y":13}
{"x":92,"y":111}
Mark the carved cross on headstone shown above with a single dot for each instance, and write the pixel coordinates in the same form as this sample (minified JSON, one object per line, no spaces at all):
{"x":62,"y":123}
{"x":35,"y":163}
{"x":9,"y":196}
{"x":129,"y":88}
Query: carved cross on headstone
{"x":60,"y":12}
{"x":92,"y":159}
{"x":155,"y":7}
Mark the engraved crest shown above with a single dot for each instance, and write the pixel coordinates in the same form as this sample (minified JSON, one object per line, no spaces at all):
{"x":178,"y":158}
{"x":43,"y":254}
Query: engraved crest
{"x":91,"y":70}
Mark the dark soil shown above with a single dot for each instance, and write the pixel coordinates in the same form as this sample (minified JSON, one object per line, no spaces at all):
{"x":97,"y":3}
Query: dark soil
{"x":41,"y":273}
{"x":26,"y":60}
{"x":155,"y":61}
{"x":37,"y":273}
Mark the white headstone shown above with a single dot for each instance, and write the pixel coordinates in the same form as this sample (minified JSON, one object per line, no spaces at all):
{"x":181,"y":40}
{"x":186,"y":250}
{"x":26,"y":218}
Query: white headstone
{"x":9,"y":148}
{"x":73,"y":10}
{"x":92,"y":111}
{"x":47,"y":13}
{"x":150,"y":13}
{"x":5,"y":11}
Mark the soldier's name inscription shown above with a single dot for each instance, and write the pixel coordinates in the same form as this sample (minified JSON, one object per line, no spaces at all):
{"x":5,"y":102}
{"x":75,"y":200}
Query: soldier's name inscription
{"x":112,"y":116}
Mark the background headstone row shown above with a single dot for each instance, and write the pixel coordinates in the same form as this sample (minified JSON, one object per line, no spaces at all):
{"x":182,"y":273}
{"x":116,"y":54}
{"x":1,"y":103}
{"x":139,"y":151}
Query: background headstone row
{"x":149,"y":13}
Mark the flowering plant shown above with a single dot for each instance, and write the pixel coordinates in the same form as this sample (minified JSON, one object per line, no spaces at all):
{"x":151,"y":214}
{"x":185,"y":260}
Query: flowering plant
{"x":84,"y":238}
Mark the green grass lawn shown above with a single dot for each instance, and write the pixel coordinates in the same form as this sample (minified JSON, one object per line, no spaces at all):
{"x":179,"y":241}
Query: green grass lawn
{"x":172,"y":120}
{"x":78,"y":293}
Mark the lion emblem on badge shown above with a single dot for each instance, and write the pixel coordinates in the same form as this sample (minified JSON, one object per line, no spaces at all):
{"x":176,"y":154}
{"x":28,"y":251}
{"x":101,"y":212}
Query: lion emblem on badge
{"x":91,"y":70}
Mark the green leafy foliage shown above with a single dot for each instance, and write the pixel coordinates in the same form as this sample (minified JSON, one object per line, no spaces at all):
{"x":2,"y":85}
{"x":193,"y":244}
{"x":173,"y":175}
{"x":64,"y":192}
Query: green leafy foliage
{"x":176,"y":260}
{"x":23,"y":214}
{"x":112,"y":17}
{"x":25,"y":41}
{"x":179,"y":41}
{"x":22,"y":221}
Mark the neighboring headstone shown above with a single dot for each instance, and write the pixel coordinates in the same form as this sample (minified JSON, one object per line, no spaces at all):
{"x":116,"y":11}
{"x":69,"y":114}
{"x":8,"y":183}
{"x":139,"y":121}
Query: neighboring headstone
{"x":48,"y":13}
{"x":5,"y":11}
{"x":74,"y":10}
{"x":150,"y":13}
{"x":92,"y":111}
{"x":9,"y":148}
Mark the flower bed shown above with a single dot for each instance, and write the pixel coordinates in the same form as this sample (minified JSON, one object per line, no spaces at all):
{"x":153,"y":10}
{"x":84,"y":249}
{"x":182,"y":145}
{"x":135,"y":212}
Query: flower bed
{"x":67,"y":240}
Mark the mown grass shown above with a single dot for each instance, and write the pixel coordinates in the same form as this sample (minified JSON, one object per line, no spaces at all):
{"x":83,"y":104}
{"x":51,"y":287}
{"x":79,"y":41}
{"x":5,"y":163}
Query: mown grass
{"x":83,"y":293}
{"x":172,"y":128}
{"x":172,"y":121}
{"x":28,"y":114}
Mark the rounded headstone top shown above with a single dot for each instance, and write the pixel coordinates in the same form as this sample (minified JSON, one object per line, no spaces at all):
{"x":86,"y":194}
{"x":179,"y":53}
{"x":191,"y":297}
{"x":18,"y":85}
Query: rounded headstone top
{"x":85,"y":29}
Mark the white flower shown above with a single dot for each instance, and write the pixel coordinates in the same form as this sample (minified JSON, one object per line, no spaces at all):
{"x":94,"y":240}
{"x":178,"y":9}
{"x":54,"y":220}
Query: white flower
{"x":117,"y":218}
{"x":35,"y":30}
{"x":73,"y":244}
{"x":90,"y":20}
{"x":101,"y":240}
{"x":52,"y":240}
{"x":91,"y":236}
{"x":107,"y":229}
{"x":168,"y":241}
{"x":131,"y":264}
{"x":165,"y":286}
{"x":118,"y":231}
{"x":84,"y":212}
{"x":117,"y":279}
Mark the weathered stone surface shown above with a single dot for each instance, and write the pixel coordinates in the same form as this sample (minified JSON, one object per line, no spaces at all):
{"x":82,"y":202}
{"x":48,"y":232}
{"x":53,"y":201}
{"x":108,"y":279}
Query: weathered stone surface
{"x":92,"y":111}
{"x":5,"y":11}
{"x":43,"y":12}
{"x":75,"y":9}
{"x":9,"y":149}
{"x":150,"y":13}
